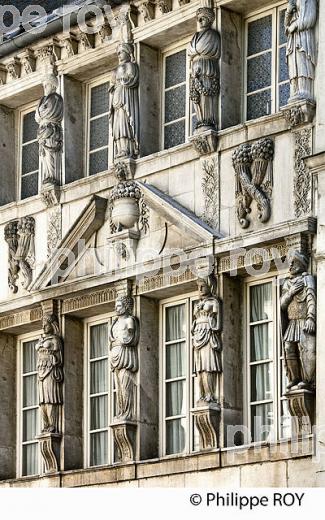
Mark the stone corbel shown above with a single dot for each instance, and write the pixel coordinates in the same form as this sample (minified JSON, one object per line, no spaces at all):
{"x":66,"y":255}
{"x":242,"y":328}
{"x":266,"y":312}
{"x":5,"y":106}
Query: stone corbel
{"x":299,"y":113}
{"x":50,"y":446}
{"x":50,"y":194}
{"x":183,"y":2}
{"x":20,"y":237}
{"x":48,"y":55}
{"x":28,"y":61}
{"x":124,"y":433}
{"x":206,"y":142}
{"x":301,"y":405}
{"x":70,"y":45}
{"x":3,"y":74}
{"x":13,"y":69}
{"x":207,"y":421}
{"x":165,"y":6}
{"x":86,"y":41}
{"x":147,"y":10}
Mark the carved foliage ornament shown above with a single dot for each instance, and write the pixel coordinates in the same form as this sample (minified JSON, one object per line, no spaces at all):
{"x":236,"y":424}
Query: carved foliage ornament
{"x":302,"y":179}
{"x":19,"y":235}
{"x":251,"y":165}
{"x":210,"y":188}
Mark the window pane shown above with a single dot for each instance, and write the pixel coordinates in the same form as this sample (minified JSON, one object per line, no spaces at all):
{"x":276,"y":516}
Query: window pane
{"x":261,"y":382}
{"x":284,"y":379}
{"x":261,"y":342}
{"x":29,"y":186}
{"x":30,"y":459}
{"x":284,"y":94}
{"x":261,"y":302}
{"x":175,"y":360}
{"x":30,"y":158}
{"x":30,"y":424}
{"x":98,"y":162}
{"x":282,"y":34}
{"x":259,"y":105}
{"x":29,"y":357}
{"x":285,"y":421}
{"x":98,"y":376}
{"x":174,"y":134}
{"x":259,"y":72}
{"x":98,"y":412}
{"x":175,"y":69}
{"x":98,"y":133}
{"x":98,"y":448}
{"x":175,"y":323}
{"x":283,"y":67}
{"x":259,"y":35}
{"x":175,"y":103}
{"x":175,"y":436}
{"x":175,"y":398}
{"x":30,"y":127}
{"x":99,"y":341}
{"x":262,"y":422}
{"x":30,"y":391}
{"x":99,"y":100}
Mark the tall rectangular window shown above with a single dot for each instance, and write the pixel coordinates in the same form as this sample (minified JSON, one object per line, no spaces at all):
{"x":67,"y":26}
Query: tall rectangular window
{"x":267,"y":408}
{"x":98,"y":142}
{"x":29,"y":156}
{"x":267,"y":82}
{"x":176,"y":106}
{"x":99,"y":395}
{"x":29,"y":410}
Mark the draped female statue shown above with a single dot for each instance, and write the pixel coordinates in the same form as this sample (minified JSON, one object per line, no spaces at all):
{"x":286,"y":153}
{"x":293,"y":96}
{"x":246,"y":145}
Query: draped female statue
{"x":49,"y":115}
{"x":300,"y":20}
{"x":50,"y":374}
{"x":124,"y":105}
{"x":204,"y":52}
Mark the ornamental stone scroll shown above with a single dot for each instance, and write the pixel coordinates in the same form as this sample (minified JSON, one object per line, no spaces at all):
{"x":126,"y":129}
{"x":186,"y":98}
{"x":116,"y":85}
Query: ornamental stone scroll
{"x":20,"y":237}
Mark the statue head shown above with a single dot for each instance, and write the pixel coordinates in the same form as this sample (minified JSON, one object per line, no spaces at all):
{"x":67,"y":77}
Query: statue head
{"x":205,"y":17}
{"x":298,"y":263}
{"x":124,"y":305}
{"x":207,"y":287}
{"x":125,"y":53}
{"x":51,"y":324}
{"x":50,"y":84}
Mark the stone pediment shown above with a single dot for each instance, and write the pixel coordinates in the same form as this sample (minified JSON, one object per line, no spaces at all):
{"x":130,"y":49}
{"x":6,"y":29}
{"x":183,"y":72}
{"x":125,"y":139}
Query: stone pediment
{"x":81,"y":254}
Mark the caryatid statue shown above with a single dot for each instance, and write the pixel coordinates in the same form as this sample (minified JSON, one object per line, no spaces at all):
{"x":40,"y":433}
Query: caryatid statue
{"x":49,"y":116}
{"x":206,"y":339}
{"x":300,"y":21}
{"x":298,"y":308}
{"x":124,"y":104}
{"x":123,"y":342}
{"x":50,"y":374}
{"x":204,"y":52}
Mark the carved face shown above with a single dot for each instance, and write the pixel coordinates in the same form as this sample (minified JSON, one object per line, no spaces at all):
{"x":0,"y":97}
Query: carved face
{"x":120,"y":307}
{"x":204,"y":290}
{"x":123,"y":56}
{"x":49,"y":87}
{"x":47,"y":327}
{"x":204,"y":21}
{"x":295,"y":267}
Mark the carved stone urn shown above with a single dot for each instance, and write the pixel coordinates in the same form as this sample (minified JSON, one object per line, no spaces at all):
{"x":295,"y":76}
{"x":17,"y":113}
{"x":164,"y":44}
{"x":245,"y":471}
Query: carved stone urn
{"x":125,"y":201}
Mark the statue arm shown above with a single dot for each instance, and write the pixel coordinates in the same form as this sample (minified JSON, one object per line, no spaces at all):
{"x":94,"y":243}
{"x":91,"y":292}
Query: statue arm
{"x":217,"y":315}
{"x":286,"y":297}
{"x":311,"y":298}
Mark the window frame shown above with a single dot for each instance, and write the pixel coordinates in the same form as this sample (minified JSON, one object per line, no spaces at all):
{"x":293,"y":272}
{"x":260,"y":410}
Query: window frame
{"x":274,"y":11}
{"x":188,"y":300}
{"x":99,"y":80}
{"x":24,"y":338}
{"x":88,"y":323}
{"x":165,"y":53}
{"x":22,"y":111}
{"x":276,"y":279}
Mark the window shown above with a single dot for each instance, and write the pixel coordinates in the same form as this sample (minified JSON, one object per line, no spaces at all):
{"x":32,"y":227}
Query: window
{"x":29,"y":155}
{"x":29,"y":417}
{"x":176,"y":104}
{"x":268,"y":415}
{"x":100,"y":395}
{"x":99,"y":150}
{"x":267,"y":80}
{"x":178,"y":434}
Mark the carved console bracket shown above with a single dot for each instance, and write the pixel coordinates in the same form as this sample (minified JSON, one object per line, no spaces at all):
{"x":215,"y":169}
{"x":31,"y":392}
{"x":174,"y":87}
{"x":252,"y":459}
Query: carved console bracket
{"x":124,"y":244}
{"x":205,"y":142}
{"x":301,"y":404}
{"x":51,"y":194}
{"x":124,"y":439}
{"x":207,"y":420}
{"x":299,"y":113}
{"x":50,"y":444}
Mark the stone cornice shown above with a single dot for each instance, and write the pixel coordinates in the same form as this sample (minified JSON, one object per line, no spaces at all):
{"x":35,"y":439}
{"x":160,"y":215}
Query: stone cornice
{"x":316,"y":163}
{"x":20,"y":319}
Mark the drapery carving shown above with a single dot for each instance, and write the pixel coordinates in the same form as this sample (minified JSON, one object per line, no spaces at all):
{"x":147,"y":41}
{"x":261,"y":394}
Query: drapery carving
{"x":123,"y":343}
{"x":251,"y":165}
{"x":300,"y":21}
{"x":19,"y":235}
{"x":49,"y":116}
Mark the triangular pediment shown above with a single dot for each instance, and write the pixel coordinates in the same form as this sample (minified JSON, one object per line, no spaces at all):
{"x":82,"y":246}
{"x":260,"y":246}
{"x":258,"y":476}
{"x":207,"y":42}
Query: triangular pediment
{"x":79,"y":254}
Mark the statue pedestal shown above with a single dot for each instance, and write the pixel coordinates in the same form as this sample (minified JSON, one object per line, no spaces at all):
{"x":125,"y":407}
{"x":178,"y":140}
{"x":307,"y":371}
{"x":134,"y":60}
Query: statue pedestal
{"x":124,"y":432}
{"x":301,"y":404}
{"x":299,"y":112}
{"x":50,"y":444}
{"x":50,"y":194}
{"x":207,"y":419}
{"x":124,"y":243}
{"x":127,"y":165}
{"x":205,"y":142}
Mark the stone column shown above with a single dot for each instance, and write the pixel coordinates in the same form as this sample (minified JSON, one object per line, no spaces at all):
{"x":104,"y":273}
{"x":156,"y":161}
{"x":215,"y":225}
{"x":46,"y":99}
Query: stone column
{"x":8,"y":393}
{"x":7,"y":166}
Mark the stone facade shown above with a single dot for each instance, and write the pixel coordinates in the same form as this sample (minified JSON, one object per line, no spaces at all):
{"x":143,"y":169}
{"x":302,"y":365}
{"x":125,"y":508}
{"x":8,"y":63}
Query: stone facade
{"x":148,"y":216}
